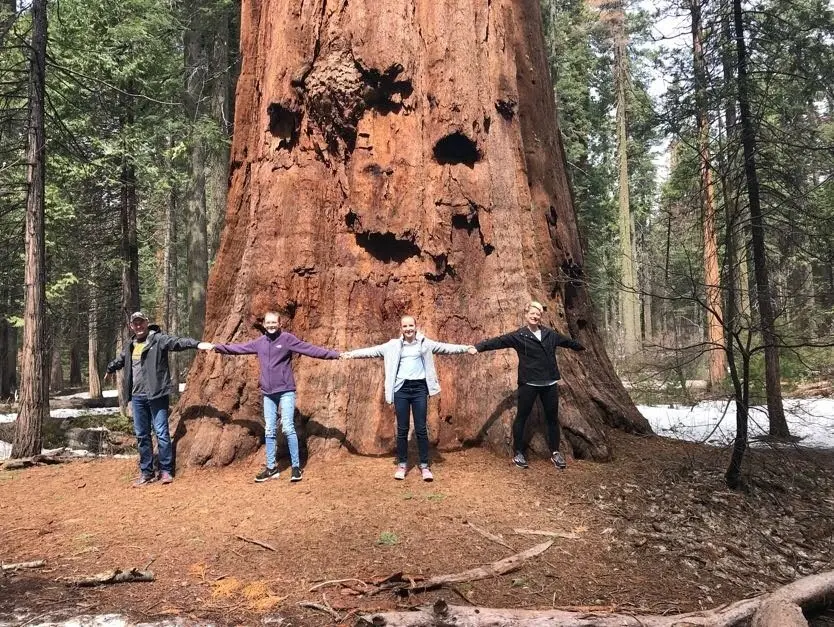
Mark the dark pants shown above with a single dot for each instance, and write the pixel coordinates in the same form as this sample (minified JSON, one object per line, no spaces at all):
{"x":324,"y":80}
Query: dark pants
{"x":412,"y":397}
{"x":152,"y":414}
{"x":550,"y":402}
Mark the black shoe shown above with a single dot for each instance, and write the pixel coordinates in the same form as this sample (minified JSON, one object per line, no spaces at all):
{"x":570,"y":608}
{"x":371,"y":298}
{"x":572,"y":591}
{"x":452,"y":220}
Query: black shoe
{"x":266,"y":474}
{"x":296,"y":474}
{"x":558,"y":460}
{"x":519,"y":460}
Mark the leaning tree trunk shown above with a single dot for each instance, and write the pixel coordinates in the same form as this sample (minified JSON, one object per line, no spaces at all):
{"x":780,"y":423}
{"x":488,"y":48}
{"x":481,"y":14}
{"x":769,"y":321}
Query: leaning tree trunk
{"x":388,"y":159}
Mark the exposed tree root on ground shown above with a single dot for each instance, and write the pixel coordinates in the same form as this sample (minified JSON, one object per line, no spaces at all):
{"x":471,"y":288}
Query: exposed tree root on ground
{"x":781,"y":608}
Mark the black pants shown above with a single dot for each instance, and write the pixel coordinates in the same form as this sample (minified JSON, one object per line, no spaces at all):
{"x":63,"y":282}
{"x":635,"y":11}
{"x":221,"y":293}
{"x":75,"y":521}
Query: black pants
{"x":550,"y":402}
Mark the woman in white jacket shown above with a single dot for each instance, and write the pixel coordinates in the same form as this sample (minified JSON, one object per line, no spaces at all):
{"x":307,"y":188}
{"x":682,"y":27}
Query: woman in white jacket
{"x":410,"y":378}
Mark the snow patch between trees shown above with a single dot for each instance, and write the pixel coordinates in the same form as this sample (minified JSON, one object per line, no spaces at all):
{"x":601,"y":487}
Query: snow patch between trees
{"x":714,"y":422}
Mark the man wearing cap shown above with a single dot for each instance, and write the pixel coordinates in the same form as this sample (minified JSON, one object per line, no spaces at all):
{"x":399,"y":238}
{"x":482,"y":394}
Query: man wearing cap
{"x":147,"y":384}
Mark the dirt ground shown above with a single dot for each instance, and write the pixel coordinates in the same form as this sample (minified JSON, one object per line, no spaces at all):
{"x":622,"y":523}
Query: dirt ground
{"x":654,"y":531}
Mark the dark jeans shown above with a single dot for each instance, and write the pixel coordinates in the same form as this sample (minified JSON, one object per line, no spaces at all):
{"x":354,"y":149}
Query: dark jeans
{"x":152,"y":414}
{"x":412,"y":397}
{"x":550,"y":402}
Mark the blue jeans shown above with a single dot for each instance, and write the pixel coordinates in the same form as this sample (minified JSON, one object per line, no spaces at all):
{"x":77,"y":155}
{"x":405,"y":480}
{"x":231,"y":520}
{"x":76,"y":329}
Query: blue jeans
{"x":286,"y":401}
{"x":147,"y":414}
{"x":412,"y":397}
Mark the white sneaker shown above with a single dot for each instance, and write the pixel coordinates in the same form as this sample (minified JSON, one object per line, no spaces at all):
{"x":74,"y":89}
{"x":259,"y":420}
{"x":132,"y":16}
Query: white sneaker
{"x":401,"y":470}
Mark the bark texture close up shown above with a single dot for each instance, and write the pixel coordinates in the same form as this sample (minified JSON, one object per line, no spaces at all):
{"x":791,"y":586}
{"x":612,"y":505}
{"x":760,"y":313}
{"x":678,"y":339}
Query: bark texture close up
{"x":394,"y":158}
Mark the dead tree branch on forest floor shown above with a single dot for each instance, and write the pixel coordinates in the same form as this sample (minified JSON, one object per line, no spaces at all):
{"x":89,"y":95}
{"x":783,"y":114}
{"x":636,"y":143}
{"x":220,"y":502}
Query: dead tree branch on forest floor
{"x":35,"y":460}
{"x":134,"y":575}
{"x":780,"y":608}
{"x":258,"y":542}
{"x":21,"y":565}
{"x":490,"y":536}
{"x":400,"y":584}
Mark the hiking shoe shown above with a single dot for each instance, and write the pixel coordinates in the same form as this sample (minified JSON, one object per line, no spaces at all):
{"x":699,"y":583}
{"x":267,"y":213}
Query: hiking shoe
{"x":143,"y":480}
{"x":266,"y":474}
{"x":401,"y":470}
{"x":296,"y":474}
{"x":558,"y":460}
{"x":520,"y":461}
{"x":165,"y":477}
{"x":426,"y":472}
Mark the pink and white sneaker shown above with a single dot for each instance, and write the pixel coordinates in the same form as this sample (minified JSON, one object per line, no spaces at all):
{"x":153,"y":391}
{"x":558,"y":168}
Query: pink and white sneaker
{"x":426,"y":472}
{"x":402,"y":469}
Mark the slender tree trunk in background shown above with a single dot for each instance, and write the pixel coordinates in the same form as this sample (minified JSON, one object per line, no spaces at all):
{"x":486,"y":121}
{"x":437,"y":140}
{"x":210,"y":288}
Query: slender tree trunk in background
{"x":130,"y":242}
{"x":75,"y":340}
{"x":773,"y":383}
{"x":8,"y":359}
{"x":34,"y":373}
{"x":196,"y":66}
{"x":169,"y":277}
{"x":93,"y":377}
{"x":56,"y":369}
{"x":411,"y":163}
{"x":716,"y":356}
{"x":220,"y":93}
{"x":629,"y":298}
{"x":731,"y":172}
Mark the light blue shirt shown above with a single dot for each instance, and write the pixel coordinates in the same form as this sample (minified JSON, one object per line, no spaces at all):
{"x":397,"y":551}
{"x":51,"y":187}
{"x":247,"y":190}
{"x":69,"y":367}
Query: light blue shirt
{"x":411,"y":364}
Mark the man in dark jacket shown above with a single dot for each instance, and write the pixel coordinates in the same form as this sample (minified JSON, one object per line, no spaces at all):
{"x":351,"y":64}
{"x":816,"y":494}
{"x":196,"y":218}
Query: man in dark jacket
{"x":147,"y":385}
{"x":538,"y":375}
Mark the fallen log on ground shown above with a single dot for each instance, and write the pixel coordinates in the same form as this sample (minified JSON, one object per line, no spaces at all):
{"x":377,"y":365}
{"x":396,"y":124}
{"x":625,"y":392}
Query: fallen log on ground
{"x":134,"y":575}
{"x":400,"y":583}
{"x":35,"y":460}
{"x":779,"y":608}
{"x":22,"y":565}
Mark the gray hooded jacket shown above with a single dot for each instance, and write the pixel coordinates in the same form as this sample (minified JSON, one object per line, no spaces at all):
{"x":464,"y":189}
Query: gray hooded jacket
{"x":390,"y":352}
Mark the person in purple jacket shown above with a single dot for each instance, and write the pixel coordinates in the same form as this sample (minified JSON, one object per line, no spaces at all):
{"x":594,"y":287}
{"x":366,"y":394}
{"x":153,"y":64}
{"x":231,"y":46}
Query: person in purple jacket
{"x":274,"y":350}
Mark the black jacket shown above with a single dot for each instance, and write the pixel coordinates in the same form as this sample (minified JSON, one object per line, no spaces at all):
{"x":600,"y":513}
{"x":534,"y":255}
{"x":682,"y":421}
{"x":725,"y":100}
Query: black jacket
{"x":154,"y":362}
{"x":536,"y":360}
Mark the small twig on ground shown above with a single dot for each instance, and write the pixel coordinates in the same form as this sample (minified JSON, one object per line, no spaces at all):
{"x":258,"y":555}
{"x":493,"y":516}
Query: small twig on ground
{"x":490,"y":536}
{"x":565,"y":535}
{"x":321,"y":608}
{"x":21,"y":565}
{"x":337,"y":581}
{"x":258,"y":542}
{"x":134,"y":575}
{"x":151,"y":561}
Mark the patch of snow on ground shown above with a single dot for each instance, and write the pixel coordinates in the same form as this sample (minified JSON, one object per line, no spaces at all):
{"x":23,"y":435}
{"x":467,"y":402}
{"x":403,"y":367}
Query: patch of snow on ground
{"x":715,"y":421}
{"x":69,"y":413}
{"x":5,"y":450}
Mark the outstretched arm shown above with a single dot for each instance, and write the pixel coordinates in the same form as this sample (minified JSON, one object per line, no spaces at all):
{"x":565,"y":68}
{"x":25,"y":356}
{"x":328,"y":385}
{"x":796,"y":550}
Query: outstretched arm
{"x":311,"y":350}
{"x":568,"y":342}
{"x":441,"y":348}
{"x":495,"y":343}
{"x":247,"y":348}
{"x":365,"y":353}
{"x":176,"y":344}
{"x":116,"y":364}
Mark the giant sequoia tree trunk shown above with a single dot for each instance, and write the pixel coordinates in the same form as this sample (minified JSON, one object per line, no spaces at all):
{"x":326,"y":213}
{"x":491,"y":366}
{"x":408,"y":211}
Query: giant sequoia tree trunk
{"x":392,"y":158}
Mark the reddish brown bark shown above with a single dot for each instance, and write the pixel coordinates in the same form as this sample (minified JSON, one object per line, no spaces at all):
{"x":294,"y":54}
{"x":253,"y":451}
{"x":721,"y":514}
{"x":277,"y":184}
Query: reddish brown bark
{"x":392,"y":158}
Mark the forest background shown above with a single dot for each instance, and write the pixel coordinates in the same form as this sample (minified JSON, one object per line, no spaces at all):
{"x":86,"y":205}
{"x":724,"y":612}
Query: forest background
{"x":705,"y":207}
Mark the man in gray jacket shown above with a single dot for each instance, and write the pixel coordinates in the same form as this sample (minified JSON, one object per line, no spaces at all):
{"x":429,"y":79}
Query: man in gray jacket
{"x":410,"y":378}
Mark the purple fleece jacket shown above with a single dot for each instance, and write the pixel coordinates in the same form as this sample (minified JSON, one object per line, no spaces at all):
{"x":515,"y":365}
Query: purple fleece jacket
{"x":275,"y":355}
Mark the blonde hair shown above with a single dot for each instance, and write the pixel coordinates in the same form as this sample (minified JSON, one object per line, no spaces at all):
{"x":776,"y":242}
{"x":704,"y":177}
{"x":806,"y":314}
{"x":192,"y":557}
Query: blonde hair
{"x":534,"y":304}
